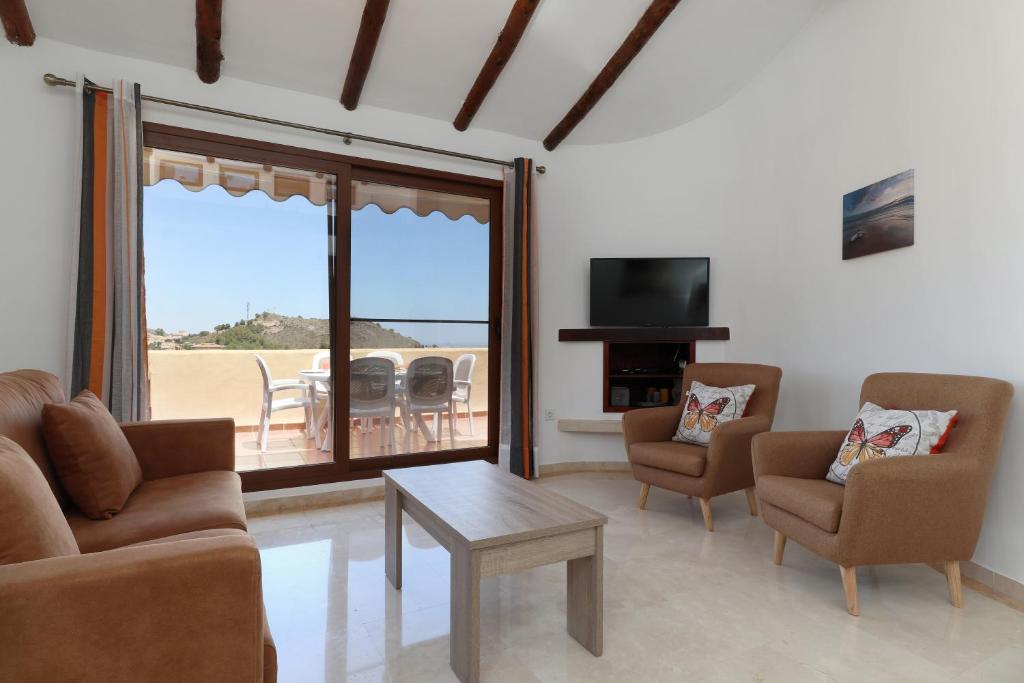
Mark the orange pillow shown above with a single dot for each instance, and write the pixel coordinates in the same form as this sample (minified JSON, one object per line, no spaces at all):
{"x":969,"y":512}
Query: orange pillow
{"x":33,"y":527}
{"x":92,"y":458}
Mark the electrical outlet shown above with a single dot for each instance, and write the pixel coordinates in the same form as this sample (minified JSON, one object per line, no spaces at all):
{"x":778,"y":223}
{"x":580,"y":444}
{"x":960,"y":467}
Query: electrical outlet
{"x":549,"y":415}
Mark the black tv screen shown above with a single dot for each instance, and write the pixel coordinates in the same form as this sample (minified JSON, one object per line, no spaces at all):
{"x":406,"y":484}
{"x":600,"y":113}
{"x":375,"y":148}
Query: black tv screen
{"x":658,"y":292}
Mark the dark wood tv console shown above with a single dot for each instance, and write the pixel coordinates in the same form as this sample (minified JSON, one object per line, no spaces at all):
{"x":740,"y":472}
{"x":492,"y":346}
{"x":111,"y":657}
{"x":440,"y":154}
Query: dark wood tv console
{"x":643,"y":360}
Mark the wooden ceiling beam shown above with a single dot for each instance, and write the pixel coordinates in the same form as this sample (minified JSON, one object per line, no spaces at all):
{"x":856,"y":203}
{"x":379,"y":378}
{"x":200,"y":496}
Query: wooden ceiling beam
{"x":372,"y":22}
{"x":652,"y":18}
{"x":208,"y":32}
{"x":508,"y":40}
{"x":17,"y":23}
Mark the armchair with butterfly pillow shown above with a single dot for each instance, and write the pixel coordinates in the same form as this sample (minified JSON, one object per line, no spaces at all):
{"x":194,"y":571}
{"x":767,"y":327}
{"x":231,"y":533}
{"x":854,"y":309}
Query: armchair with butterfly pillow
{"x":847,"y":496}
{"x":701,"y":447}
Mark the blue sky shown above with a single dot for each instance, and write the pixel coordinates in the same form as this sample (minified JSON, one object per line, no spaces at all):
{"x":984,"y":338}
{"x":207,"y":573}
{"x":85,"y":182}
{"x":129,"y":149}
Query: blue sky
{"x":209,"y":254}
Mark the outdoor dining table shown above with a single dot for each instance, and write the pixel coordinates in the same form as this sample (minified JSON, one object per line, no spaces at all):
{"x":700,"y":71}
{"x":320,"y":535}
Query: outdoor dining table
{"x":326,"y":417}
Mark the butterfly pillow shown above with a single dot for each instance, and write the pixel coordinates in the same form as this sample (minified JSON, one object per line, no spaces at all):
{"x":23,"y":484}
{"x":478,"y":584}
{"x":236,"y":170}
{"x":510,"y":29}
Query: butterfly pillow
{"x":881,"y":433}
{"x":707,"y":407}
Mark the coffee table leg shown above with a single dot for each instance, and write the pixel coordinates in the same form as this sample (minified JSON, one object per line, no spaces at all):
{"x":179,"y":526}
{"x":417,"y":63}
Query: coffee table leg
{"x":392,"y":534}
{"x":465,"y":622}
{"x":585,"y":597}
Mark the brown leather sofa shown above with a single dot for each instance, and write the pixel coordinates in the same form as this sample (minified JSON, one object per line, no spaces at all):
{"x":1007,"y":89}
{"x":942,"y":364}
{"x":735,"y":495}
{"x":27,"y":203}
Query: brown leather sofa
{"x":722,"y":467}
{"x":169,"y":589}
{"x":892,"y":510}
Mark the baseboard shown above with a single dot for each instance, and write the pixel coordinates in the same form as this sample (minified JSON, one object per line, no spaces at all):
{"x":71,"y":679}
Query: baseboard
{"x":276,"y":426}
{"x":990,"y":584}
{"x":270,"y":504}
{"x":556,"y":468}
{"x":311,"y":501}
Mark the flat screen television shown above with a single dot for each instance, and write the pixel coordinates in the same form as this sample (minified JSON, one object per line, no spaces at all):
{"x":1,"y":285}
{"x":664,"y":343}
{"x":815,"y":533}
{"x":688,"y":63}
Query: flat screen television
{"x":654,"y":292}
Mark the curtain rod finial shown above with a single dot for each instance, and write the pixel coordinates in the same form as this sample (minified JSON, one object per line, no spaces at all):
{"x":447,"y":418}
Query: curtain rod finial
{"x":50,"y":79}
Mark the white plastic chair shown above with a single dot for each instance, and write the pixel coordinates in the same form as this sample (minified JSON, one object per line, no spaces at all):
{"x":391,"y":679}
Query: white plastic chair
{"x":372,"y":394}
{"x":464,"y":384}
{"x":428,"y":390}
{"x":320,"y":392}
{"x":393,"y":356}
{"x":321,"y":360}
{"x":270,"y":406}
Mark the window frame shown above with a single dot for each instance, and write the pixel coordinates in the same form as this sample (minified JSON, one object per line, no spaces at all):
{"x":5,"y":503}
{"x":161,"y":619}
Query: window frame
{"x":346,"y":169}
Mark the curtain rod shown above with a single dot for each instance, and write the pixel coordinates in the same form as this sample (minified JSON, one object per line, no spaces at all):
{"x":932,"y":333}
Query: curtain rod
{"x":346,"y":137}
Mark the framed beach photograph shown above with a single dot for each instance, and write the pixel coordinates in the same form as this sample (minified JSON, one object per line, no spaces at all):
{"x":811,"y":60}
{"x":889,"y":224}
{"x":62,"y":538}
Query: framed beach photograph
{"x":879,"y":216}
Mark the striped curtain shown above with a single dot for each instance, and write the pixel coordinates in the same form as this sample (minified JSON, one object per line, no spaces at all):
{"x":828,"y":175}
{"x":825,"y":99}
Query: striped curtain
{"x":516,"y":446}
{"x":107,"y":353}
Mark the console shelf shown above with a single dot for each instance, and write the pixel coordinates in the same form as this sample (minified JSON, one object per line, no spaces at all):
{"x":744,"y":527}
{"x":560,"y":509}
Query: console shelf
{"x":643,"y":334}
{"x":641,"y":362}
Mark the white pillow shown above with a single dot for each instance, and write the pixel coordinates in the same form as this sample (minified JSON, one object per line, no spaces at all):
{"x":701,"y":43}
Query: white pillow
{"x":881,"y":433}
{"x":707,"y":407}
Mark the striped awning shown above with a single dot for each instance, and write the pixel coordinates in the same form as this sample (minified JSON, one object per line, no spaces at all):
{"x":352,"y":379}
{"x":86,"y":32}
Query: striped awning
{"x":391,"y":198}
{"x":196,"y":172}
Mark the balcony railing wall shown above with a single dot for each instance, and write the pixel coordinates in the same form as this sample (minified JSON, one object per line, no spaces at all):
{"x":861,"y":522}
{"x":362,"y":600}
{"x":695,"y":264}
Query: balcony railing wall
{"x":222,"y":383}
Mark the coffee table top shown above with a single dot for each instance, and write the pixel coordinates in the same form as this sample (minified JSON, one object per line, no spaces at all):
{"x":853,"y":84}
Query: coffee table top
{"x":487,"y":506}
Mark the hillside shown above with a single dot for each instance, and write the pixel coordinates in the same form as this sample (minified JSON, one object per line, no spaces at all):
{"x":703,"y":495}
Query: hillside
{"x":273,"y":331}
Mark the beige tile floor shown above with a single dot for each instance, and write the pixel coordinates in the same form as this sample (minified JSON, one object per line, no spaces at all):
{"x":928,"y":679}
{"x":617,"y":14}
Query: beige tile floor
{"x":680,"y":605}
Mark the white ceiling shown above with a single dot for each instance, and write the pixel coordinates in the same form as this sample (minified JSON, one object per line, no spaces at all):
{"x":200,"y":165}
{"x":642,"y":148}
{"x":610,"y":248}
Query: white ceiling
{"x":430,"y":52}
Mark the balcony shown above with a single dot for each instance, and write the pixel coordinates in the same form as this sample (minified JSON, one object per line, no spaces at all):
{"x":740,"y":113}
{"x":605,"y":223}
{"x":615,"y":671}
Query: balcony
{"x":204,"y":383}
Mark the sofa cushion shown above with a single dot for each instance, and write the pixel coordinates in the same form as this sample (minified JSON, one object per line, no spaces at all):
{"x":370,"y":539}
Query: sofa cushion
{"x":33,"y":526}
{"x":673,"y":456}
{"x":23,"y":393}
{"x":94,"y":461}
{"x":166,"y":507}
{"x":816,"y":501}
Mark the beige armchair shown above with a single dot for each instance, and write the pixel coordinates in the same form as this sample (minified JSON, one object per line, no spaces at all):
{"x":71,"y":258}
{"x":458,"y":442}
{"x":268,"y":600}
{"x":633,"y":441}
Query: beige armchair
{"x":892,"y":510}
{"x":722,"y":467}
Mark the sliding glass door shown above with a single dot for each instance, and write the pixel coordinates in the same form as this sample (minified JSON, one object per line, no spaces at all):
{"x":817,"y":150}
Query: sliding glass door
{"x":343,"y":312}
{"x":423,"y":306}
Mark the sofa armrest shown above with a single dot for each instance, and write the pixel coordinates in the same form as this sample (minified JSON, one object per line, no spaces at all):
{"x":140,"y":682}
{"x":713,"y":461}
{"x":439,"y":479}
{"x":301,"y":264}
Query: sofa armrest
{"x":183,"y":610}
{"x":167,"y":448}
{"x":805,"y":455}
{"x":650,"y":425}
{"x":913,"y":509}
{"x":729,"y":461}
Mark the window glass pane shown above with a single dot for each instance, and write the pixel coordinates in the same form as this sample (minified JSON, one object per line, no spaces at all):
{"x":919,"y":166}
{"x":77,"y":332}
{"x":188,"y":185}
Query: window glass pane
{"x":236,"y":271}
{"x":418,"y":257}
{"x":406,"y":265}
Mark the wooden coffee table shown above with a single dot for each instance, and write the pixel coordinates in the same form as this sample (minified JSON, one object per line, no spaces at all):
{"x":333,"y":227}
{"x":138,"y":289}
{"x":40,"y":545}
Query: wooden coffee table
{"x":492,"y":523}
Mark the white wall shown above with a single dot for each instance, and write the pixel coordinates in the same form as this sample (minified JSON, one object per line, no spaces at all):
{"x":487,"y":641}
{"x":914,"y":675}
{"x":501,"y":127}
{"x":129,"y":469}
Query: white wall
{"x":38,"y":141}
{"x":868,"y":89}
